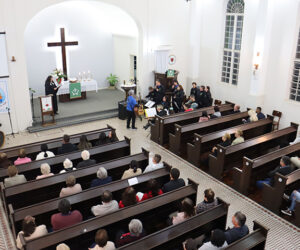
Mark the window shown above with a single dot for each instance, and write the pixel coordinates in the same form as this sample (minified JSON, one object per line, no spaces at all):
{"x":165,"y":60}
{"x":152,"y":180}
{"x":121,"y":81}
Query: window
{"x":232,"y":41}
{"x":295,"y":85}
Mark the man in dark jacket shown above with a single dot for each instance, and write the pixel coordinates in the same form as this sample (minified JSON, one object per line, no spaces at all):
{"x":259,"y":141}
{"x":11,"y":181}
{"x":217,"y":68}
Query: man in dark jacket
{"x":66,"y":147}
{"x":203,"y":100}
{"x":195,"y":91}
{"x":239,"y":230}
{"x":160,"y":92}
{"x":175,"y":182}
{"x":85,"y":155}
{"x":259,"y":114}
{"x":285,"y":168}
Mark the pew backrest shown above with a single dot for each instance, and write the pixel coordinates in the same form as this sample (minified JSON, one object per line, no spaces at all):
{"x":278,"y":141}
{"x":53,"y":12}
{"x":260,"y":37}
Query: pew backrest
{"x":91,"y":225}
{"x":56,"y":163}
{"x":34,"y":148}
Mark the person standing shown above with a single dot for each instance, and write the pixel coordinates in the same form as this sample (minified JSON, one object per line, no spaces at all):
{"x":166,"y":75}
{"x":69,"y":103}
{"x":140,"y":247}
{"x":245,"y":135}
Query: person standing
{"x":51,"y":89}
{"x":131,"y":104}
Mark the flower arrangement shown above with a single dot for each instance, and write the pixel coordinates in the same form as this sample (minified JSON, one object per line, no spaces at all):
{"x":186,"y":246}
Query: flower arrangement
{"x":59,"y":75}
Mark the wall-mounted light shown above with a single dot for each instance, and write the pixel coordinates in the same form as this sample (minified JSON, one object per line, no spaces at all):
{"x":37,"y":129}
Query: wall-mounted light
{"x":256,"y":62}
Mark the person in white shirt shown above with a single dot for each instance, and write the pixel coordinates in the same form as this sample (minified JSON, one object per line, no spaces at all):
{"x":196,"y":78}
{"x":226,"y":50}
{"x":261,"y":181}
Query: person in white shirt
{"x":68,"y":166}
{"x":154,"y":163}
{"x":102,"y":242}
{"x":72,"y":187}
{"x":44,"y":153}
{"x":30,"y":230}
{"x":108,"y":205}
{"x":45,"y":170}
{"x":217,"y":241}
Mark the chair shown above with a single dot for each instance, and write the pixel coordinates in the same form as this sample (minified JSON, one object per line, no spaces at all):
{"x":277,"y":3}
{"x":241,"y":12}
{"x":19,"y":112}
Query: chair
{"x":277,"y":116}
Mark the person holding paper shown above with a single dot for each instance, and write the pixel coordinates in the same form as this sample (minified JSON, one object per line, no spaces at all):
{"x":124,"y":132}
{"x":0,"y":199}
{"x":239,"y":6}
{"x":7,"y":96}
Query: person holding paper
{"x":51,"y":89}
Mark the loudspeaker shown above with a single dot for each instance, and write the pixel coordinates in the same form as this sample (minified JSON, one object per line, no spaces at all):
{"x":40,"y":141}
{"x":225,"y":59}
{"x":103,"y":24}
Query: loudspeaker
{"x":122,"y":110}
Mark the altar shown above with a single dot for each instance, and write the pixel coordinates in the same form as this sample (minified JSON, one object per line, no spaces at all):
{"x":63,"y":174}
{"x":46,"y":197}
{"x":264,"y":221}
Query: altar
{"x":86,"y":85}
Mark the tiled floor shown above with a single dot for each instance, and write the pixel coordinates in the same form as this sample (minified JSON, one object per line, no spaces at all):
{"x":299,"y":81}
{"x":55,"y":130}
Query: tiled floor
{"x":282,"y":235}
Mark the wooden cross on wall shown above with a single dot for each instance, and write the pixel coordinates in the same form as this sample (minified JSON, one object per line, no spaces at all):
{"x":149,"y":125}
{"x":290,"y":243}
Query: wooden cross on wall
{"x":63,"y":45}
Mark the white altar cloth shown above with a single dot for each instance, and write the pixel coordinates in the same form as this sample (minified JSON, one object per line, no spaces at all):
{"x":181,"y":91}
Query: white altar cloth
{"x":91,"y":85}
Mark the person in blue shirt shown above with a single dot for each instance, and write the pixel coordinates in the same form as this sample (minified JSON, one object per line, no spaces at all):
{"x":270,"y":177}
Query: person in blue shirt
{"x":131,"y":104}
{"x":259,"y":114}
{"x":239,"y":230}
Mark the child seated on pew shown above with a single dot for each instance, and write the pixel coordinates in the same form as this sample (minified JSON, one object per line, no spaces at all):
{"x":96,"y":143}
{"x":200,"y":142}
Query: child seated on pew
{"x":68,"y":166}
{"x":30,"y":230}
{"x":72,"y":187}
{"x":205,"y":117}
{"x":102,"y":242}
{"x":22,"y":159}
{"x":45,"y":170}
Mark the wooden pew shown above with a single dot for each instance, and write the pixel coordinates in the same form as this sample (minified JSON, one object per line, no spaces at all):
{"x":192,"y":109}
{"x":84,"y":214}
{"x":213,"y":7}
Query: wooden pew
{"x":163,"y":125}
{"x":41,"y":190}
{"x":85,"y":200}
{"x":173,"y":236}
{"x":255,"y":240}
{"x":204,"y":143}
{"x":81,"y":235}
{"x":100,"y":153}
{"x":32,"y":149}
{"x":253,"y":169}
{"x":232,"y":156}
{"x":184,"y":134}
{"x":273,"y":195}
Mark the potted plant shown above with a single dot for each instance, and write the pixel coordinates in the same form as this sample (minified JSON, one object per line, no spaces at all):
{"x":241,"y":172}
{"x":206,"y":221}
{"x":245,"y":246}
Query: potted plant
{"x":112,"y":80}
{"x":59,"y":75}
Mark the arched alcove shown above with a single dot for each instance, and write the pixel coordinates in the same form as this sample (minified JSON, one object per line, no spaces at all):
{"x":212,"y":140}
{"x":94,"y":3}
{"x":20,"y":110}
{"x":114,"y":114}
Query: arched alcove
{"x":107,"y":37}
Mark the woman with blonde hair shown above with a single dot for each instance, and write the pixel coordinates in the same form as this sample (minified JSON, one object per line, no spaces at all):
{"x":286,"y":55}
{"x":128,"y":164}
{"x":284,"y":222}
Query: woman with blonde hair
{"x":252,"y":116}
{"x":72,"y":187}
{"x":226,"y":141}
{"x":45,"y":170}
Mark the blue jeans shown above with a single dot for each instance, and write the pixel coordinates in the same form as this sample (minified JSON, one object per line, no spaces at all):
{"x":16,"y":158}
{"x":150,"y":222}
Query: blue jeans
{"x":295,"y":196}
{"x":260,"y":184}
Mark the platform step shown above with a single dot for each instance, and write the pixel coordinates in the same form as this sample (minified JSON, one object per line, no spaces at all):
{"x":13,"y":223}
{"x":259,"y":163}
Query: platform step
{"x":68,"y":121}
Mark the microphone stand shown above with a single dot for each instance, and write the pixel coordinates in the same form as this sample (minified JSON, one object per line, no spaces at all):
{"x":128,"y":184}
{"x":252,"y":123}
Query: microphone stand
{"x":12,"y":130}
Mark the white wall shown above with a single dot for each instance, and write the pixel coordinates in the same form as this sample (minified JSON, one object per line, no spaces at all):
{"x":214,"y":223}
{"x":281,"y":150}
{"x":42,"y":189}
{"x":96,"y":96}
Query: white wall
{"x":280,"y":22}
{"x":123,"y":47}
{"x":159,"y":23}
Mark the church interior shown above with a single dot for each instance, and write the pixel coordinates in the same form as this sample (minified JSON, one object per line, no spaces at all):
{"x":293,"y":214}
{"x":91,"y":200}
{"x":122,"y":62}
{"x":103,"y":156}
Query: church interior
{"x":149,"y":124}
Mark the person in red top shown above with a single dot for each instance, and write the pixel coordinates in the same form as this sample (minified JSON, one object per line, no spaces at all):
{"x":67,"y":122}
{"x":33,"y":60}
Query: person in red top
{"x":129,"y":198}
{"x":136,"y":232}
{"x":66,"y":217}
{"x":154,"y":190}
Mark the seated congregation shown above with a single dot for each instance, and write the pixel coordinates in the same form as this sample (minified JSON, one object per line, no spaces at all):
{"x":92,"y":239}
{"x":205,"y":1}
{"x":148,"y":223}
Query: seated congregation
{"x":107,"y":191}
{"x":224,"y":141}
